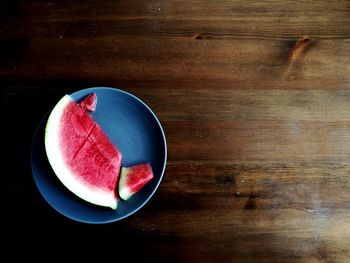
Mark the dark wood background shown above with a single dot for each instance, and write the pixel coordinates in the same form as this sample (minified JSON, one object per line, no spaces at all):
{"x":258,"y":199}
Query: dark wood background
{"x":254,"y":97}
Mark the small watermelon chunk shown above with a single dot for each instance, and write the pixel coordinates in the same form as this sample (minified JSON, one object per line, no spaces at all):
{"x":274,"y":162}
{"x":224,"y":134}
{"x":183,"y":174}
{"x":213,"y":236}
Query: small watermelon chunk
{"x":89,"y":103}
{"x":133,"y":179}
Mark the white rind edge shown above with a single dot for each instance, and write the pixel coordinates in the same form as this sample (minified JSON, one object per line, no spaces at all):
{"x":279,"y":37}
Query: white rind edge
{"x":124,"y":191}
{"x":62,"y":171}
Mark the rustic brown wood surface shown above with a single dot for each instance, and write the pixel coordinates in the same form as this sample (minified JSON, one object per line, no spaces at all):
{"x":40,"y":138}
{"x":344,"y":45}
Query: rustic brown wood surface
{"x":254,"y":97}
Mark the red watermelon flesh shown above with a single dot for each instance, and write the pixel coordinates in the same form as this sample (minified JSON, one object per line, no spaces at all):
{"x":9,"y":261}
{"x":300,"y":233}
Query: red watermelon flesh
{"x":90,"y":102}
{"x":81,"y":154}
{"x":133,"y":179}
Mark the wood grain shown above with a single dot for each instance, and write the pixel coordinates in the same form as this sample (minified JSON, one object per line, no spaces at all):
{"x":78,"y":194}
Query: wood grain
{"x":254,"y":99}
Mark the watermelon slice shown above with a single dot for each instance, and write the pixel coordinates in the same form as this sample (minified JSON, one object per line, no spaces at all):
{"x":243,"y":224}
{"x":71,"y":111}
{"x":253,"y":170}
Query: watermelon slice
{"x":133,"y":178}
{"x":80,"y":153}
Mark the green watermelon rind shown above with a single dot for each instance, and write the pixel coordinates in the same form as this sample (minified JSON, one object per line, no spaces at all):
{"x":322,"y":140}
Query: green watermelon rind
{"x":62,"y":170}
{"x":124,"y":191}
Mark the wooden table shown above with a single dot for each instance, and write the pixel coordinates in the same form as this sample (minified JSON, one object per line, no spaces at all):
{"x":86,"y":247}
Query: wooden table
{"x":254,"y":97}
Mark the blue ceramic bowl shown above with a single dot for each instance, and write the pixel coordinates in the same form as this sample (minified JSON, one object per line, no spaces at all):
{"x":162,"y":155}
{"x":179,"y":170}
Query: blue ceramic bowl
{"x":138,"y":134}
